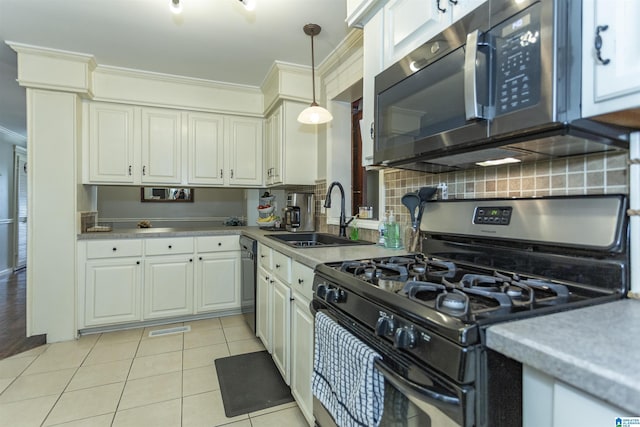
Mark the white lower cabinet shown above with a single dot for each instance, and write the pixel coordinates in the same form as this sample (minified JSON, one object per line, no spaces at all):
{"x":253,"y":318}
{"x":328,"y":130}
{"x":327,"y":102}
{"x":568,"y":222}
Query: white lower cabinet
{"x":284,"y":322}
{"x":264,"y":287}
{"x":112,"y":292}
{"x":129,"y":280}
{"x":302,"y":325}
{"x":168,"y":286}
{"x":217,"y":276}
{"x":547,"y":401}
{"x":281,"y":326}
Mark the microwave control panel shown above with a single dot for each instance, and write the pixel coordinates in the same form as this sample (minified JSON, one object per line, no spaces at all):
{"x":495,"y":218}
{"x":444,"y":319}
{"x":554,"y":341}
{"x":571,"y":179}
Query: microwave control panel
{"x":517,"y":44}
{"x":492,"y":215}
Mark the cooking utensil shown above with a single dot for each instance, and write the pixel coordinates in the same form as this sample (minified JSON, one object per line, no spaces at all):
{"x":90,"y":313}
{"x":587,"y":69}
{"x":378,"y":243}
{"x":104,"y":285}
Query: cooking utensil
{"x":425,"y":194}
{"x":411,"y":201}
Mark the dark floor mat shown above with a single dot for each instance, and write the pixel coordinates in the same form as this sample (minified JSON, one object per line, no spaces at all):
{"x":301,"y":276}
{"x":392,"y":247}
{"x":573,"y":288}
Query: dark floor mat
{"x":250,"y":382}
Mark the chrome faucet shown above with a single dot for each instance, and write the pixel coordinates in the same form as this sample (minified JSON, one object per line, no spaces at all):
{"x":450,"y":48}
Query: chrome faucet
{"x":327,"y":204}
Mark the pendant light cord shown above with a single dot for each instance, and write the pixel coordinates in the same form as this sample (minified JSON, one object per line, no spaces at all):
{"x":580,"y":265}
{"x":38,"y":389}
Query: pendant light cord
{"x":313,"y":73}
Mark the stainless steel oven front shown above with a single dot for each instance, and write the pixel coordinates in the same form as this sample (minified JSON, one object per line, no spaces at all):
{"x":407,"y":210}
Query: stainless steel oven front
{"x":414,"y":395}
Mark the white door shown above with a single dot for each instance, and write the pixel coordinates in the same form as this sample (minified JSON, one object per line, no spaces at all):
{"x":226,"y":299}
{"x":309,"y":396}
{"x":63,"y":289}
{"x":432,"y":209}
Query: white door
{"x":161,"y":146}
{"x":264,"y":285}
{"x":302,"y":354}
{"x":245,"y":151}
{"x":112,"y":293}
{"x":281,"y":327}
{"x":168,"y":286}
{"x":218,"y":282}
{"x":206,"y":149}
{"x":112,"y":144}
{"x":20,"y":215}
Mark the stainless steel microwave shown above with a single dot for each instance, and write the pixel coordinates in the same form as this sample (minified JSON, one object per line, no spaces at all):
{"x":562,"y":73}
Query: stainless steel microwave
{"x":502,"y":82}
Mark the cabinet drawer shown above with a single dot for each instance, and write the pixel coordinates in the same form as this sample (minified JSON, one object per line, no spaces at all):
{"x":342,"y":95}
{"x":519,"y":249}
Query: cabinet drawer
{"x":218,"y":243}
{"x":302,"y":280}
{"x":282,"y":267}
{"x":264,"y":256}
{"x":169,"y":245}
{"x":114,"y":248}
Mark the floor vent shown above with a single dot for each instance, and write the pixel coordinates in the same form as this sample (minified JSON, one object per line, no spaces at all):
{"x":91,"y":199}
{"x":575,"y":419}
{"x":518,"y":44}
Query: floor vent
{"x":176,"y":330}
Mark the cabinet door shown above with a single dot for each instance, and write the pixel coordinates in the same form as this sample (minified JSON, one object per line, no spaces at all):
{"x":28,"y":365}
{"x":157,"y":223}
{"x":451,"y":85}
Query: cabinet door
{"x":409,"y":23}
{"x":273,"y":152}
{"x":217,"y":284}
{"x":168,"y":286}
{"x":281,"y":327}
{"x":206,"y":149}
{"x":615,"y":85}
{"x":161,"y":146}
{"x":302,"y":355}
{"x":462,"y":7}
{"x":372,"y":66}
{"x":245,"y":151}
{"x":111,"y":144}
{"x":264,"y":286}
{"x":112,"y":291}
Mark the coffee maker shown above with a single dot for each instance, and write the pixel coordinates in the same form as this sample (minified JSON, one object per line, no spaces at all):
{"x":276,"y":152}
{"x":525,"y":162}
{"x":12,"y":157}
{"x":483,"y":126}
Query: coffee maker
{"x":299,"y":215}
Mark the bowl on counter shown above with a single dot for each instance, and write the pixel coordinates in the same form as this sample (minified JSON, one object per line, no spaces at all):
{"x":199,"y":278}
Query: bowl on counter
{"x":266,"y":210}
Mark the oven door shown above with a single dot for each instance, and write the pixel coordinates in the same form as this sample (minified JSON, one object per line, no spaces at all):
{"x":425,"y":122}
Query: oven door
{"x":413,"y":395}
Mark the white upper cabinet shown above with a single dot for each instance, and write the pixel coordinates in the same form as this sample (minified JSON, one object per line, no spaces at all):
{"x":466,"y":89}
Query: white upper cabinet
{"x":372,"y":65}
{"x":245,"y":151}
{"x":410,"y":23}
{"x":206,"y":149}
{"x":360,"y":11}
{"x":291,"y":153}
{"x":111,"y":143}
{"x":610,"y":56}
{"x":161,"y":146}
{"x":129,"y":145}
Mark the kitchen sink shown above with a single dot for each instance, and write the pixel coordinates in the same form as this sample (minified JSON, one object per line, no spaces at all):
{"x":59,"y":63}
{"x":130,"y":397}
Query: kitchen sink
{"x":315,"y":240}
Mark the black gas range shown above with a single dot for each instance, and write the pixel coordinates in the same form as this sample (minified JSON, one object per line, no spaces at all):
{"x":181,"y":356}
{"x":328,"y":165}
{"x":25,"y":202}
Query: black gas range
{"x":482,"y":262}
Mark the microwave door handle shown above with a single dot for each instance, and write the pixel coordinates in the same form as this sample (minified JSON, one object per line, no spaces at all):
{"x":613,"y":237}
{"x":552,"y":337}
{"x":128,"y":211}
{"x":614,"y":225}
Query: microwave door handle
{"x":471,"y":106}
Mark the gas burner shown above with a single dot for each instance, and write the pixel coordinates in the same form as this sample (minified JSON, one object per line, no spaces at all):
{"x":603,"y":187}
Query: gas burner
{"x":455,"y":303}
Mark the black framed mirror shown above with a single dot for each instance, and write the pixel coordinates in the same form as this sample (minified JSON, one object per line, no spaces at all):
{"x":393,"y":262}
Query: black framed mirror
{"x":166,"y":194}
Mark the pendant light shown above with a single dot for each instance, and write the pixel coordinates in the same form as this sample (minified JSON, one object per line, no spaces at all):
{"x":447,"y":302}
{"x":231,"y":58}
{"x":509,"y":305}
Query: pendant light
{"x":313,"y":114}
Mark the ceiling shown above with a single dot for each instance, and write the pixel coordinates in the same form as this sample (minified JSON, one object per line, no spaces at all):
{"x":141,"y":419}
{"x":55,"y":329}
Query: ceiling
{"x":211,"y":39}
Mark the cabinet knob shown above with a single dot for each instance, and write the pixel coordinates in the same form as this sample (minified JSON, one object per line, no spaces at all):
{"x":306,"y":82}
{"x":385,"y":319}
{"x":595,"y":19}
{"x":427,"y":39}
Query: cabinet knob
{"x":277,"y":265}
{"x":190,"y":259}
{"x":169,"y":246}
{"x":115,"y":249}
{"x":231,"y":173}
{"x":221,"y":173}
{"x":144,"y":170}
{"x":270,"y":281}
{"x":300,"y":281}
{"x":200,"y":258}
{"x":137,"y":262}
{"x":261,"y":256}
{"x":597,"y":44}
{"x":129,"y":170}
{"x":219,"y":243}
{"x":291,"y":299}
{"x":266,"y":278}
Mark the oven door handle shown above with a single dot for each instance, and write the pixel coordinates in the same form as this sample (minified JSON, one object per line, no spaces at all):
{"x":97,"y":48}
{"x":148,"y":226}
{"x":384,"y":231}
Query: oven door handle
{"x":416,"y":391}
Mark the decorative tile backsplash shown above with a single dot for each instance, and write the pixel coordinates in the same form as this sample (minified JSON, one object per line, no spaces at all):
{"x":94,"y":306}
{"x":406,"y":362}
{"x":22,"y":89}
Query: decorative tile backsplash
{"x":604,"y":173}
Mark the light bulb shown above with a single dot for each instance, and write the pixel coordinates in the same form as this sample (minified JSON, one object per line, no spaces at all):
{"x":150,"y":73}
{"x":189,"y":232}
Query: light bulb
{"x":249,"y":4}
{"x":176,"y":7}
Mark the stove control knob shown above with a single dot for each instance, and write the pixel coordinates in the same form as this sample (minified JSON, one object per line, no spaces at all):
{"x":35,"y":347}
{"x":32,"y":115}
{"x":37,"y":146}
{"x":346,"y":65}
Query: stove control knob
{"x":335,"y":295}
{"x":385,"y":326}
{"x":405,"y":338}
{"x":321,"y":290}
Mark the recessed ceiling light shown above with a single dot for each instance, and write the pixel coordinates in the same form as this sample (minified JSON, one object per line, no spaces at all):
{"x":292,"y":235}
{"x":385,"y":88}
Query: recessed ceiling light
{"x":498,"y":162}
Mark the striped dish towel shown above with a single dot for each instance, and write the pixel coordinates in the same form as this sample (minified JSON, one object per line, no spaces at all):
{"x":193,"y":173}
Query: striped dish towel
{"x":344,"y":378}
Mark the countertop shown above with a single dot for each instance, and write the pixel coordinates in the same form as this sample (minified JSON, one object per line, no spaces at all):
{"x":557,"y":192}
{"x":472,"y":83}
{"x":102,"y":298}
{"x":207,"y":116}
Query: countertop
{"x":309,"y":256}
{"x":595,"y":349}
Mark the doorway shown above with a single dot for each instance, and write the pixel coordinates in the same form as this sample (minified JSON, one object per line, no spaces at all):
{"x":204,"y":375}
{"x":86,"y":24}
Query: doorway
{"x":20,"y":209}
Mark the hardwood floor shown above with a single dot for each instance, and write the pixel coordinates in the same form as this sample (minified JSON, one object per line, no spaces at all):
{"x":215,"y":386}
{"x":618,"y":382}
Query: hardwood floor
{"x":13,"y":318}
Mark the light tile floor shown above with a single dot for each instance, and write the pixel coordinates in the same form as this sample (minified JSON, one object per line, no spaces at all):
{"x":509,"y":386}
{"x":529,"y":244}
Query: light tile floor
{"x":127,"y":378}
